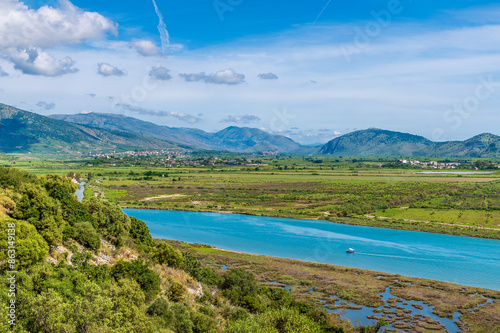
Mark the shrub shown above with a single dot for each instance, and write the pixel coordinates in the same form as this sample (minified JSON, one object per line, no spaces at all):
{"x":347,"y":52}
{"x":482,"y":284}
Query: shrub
{"x":238,"y":283}
{"x":161,"y":308}
{"x":163,"y":253}
{"x":86,"y":235}
{"x":140,"y":272}
{"x":31,"y":248}
{"x":176,"y":291}
{"x":139,"y":231}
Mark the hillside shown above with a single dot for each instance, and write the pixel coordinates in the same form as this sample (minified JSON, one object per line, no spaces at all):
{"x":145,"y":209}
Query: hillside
{"x":484,"y":145}
{"x":245,"y":138}
{"x":377,"y":142}
{"x":240,"y":139}
{"x":23,"y":131}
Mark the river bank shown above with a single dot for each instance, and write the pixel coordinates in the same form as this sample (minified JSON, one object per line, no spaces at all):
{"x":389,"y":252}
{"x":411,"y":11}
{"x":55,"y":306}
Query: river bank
{"x":388,"y":223}
{"x":358,"y":294}
{"x":425,"y":255}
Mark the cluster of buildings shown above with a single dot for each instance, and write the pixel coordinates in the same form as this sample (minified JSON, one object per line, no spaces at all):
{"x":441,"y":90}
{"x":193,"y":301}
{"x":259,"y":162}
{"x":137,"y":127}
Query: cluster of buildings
{"x":143,"y":153}
{"x":439,"y":165}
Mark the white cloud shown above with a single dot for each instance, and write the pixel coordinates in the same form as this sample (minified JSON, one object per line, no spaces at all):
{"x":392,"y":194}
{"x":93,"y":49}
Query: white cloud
{"x":3,"y":73}
{"x":106,"y":69}
{"x":228,"y":76}
{"x":45,"y":105}
{"x":25,"y":32}
{"x":145,"y":47}
{"x":47,"y":27}
{"x":160,"y":73}
{"x":179,"y":115}
{"x":37,"y":62}
{"x":268,"y":76}
{"x":242,"y":119}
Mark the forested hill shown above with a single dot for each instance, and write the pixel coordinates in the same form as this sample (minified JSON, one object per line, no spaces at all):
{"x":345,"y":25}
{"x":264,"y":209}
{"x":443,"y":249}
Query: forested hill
{"x":233,"y":138}
{"x":378,"y":142}
{"x":87,"y":267}
{"x":23,"y":131}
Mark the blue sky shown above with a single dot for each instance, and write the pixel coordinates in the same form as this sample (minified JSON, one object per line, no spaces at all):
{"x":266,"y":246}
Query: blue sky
{"x":311,"y":70}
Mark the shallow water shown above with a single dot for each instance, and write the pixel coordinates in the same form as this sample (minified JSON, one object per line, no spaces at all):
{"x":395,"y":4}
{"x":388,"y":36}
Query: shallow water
{"x":462,"y":260}
{"x":79,"y":191}
{"x":359,"y":317}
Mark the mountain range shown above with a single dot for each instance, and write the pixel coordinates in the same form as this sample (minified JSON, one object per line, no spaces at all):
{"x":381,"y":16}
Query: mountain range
{"x":378,"y":142}
{"x":23,"y":131}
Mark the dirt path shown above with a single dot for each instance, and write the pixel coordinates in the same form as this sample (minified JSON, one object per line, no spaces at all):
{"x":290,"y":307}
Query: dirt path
{"x":164,"y":196}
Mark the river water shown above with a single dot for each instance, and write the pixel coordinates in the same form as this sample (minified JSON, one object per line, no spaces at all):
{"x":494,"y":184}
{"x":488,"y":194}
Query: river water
{"x":79,"y":191}
{"x":462,"y":260}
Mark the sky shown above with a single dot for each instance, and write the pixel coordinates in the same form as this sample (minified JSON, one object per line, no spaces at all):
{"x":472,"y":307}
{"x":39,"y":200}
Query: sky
{"x":310,"y":70}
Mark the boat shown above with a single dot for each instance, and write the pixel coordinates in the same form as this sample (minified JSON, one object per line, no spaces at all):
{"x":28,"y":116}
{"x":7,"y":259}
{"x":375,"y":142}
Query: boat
{"x":349,"y":250}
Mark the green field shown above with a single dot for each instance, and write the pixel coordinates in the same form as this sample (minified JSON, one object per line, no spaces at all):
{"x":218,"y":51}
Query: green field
{"x":345,"y":190}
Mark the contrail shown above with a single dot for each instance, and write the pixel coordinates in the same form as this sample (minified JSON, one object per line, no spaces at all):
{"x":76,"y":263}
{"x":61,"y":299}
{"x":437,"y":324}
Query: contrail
{"x":317,"y":18}
{"x":162,"y":28}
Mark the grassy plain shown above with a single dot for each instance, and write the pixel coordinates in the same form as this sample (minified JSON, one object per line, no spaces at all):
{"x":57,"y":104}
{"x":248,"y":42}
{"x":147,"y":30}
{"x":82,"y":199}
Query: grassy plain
{"x":335,"y":190}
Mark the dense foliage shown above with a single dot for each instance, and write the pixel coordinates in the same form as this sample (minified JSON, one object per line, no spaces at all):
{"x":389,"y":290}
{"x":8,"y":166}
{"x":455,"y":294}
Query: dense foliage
{"x":65,"y":282}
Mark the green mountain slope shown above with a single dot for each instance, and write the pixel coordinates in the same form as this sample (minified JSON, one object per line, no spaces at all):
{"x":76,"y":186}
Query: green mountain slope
{"x":241,"y":139}
{"x":253,"y":139}
{"x":377,"y":142}
{"x":23,"y":131}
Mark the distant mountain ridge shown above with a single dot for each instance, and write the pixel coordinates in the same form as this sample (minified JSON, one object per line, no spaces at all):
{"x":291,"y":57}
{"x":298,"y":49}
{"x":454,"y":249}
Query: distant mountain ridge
{"x":241,"y":139}
{"x":23,"y":131}
{"x":378,"y":142}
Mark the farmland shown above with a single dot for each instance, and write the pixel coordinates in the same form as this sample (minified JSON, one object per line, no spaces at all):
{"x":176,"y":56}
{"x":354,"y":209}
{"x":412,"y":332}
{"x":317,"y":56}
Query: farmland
{"x":340,"y":190}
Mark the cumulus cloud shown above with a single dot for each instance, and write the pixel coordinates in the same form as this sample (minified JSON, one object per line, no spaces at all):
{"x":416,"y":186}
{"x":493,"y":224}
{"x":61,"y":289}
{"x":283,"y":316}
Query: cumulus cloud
{"x":34,"y":61}
{"x":106,"y":69}
{"x":268,"y":76}
{"x":2,"y":72}
{"x":227,"y":76}
{"x":25,"y":32}
{"x":179,"y":115}
{"x":145,"y":47}
{"x":45,"y":105}
{"x":46,"y":27}
{"x":160,"y":73}
{"x":242,"y":119}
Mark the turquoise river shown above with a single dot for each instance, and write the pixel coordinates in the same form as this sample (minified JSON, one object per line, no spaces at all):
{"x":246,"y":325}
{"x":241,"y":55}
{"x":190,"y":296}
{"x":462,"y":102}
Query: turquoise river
{"x":462,"y":260}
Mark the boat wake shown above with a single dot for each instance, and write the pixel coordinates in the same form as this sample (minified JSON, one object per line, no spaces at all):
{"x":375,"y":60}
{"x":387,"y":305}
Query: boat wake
{"x":393,"y":256}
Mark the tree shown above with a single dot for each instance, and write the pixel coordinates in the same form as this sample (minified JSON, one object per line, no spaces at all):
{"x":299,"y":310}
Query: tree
{"x":42,"y":211}
{"x":139,"y":231}
{"x":138,"y":271}
{"x":30,"y":247}
{"x":238,"y":283}
{"x":109,"y":219}
{"x":85,"y":233}
{"x":163,"y":253}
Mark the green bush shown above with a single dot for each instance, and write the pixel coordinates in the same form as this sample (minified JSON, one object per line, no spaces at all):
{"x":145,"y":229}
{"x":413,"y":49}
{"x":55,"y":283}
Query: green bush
{"x":163,"y":253}
{"x":238,"y":283}
{"x":30,"y":247}
{"x":176,"y":291}
{"x":283,"y":320}
{"x":161,"y":308}
{"x":148,"y":280}
{"x":109,"y":220}
{"x":86,"y":235}
{"x":139,"y":231}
